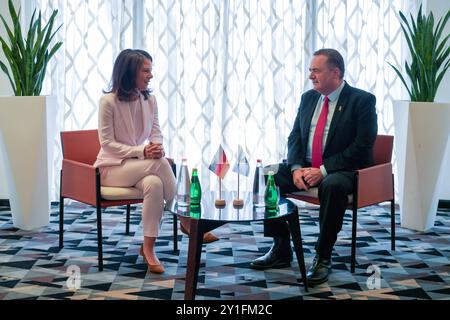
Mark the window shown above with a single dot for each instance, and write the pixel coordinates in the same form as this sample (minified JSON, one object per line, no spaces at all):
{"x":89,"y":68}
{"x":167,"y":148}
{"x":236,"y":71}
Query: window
{"x":226,"y":72}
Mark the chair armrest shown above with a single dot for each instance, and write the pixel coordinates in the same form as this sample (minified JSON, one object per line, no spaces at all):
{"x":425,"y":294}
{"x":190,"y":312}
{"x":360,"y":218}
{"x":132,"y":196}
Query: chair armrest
{"x":375,"y":185}
{"x":171,"y":162}
{"x":173,"y":166}
{"x":78,"y":181}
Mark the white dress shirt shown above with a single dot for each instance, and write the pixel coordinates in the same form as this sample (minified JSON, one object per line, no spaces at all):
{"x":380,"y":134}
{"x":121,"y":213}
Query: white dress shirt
{"x":332,"y":102}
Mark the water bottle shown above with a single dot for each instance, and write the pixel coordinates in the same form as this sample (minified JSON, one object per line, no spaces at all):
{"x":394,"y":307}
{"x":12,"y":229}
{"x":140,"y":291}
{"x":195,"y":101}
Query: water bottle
{"x":196,"y":189}
{"x":271,"y":193}
{"x":183,"y":185}
{"x":259,"y":185}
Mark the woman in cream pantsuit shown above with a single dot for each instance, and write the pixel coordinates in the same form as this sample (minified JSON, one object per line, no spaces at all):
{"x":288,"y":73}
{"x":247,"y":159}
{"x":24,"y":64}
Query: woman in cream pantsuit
{"x":131,"y":151}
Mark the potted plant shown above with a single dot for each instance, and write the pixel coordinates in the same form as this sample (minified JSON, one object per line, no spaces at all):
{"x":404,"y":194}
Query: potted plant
{"x":28,"y":120}
{"x":421,"y":125}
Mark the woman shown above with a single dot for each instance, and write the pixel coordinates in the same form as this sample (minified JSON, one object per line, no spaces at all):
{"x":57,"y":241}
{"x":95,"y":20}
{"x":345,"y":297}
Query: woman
{"x":131,"y":153}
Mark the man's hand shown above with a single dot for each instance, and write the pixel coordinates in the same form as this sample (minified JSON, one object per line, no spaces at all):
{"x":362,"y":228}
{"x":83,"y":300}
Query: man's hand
{"x":154,"y":151}
{"x":313,"y":176}
{"x":298,"y":178}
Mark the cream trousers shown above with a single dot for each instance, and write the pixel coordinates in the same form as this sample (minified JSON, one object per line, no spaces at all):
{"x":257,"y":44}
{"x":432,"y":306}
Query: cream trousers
{"x":156,"y":180}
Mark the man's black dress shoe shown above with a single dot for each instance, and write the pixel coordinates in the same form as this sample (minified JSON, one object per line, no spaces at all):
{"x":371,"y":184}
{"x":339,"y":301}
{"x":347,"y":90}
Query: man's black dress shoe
{"x":319,"y":271}
{"x":279,"y":256}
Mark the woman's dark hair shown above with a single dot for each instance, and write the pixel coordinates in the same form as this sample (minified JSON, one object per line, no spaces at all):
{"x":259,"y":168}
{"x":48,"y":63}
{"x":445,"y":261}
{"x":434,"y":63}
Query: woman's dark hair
{"x":126,"y":68}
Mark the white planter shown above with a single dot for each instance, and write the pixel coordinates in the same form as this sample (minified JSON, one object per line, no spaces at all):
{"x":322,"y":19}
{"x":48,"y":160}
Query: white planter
{"x":422,"y":132}
{"x":27,"y":132}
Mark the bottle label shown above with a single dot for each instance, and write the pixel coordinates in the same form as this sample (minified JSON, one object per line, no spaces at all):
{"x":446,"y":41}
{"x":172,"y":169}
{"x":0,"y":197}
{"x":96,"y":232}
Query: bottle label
{"x":183,"y":200}
{"x":195,"y":211}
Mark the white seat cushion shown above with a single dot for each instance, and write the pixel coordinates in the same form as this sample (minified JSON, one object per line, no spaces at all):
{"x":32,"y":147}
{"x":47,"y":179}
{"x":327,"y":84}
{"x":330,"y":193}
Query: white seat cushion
{"x":314,"y":193}
{"x":120,"y":193}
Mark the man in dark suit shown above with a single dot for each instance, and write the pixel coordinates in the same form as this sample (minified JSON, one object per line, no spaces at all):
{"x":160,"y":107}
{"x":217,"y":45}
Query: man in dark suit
{"x":333,"y":135}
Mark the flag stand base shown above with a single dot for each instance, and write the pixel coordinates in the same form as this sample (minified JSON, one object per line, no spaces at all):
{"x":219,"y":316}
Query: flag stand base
{"x":220,"y":203}
{"x":238,"y":203}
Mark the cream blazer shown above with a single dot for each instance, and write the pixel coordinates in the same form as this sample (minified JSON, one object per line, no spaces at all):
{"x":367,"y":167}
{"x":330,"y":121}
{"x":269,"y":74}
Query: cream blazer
{"x":118,"y":139}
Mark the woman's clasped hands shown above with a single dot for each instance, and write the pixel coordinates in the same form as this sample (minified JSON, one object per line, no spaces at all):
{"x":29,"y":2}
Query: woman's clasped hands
{"x":154,"y":151}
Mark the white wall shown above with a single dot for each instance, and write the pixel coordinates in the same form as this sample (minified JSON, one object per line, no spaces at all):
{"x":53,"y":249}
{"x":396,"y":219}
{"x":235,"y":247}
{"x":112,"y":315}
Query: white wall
{"x":439,"y":7}
{"x":5,"y":88}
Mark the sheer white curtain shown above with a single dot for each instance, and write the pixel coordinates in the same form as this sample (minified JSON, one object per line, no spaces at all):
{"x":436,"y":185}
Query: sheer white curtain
{"x":226,"y":72}
{"x":368,"y":34}
{"x":230,"y":73}
{"x":93,"y":33}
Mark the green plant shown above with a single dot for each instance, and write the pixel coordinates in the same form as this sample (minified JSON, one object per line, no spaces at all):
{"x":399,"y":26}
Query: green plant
{"x":28,"y":57}
{"x":429,"y":55}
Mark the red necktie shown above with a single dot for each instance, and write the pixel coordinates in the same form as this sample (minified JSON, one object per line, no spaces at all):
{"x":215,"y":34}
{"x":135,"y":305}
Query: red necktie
{"x":318,"y":136}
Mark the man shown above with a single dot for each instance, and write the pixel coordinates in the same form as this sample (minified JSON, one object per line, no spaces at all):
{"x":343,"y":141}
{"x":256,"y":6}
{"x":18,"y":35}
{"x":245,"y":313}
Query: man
{"x":333,"y":135}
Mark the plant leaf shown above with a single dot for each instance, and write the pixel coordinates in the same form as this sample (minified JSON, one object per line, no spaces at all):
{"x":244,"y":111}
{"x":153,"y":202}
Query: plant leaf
{"x":399,"y":74}
{"x":5,"y":70}
{"x":28,"y":56}
{"x":428,"y":54}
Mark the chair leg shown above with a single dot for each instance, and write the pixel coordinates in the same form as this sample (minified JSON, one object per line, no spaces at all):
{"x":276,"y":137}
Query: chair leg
{"x":99,"y":238}
{"x":61,"y":222}
{"x":353,"y":254}
{"x":393,"y":215}
{"x":175,"y":232}
{"x":127,"y":227}
{"x":392,"y":225}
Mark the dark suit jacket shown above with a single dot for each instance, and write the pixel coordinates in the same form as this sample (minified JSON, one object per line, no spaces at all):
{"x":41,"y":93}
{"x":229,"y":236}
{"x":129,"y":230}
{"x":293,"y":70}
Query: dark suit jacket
{"x":352,"y":133}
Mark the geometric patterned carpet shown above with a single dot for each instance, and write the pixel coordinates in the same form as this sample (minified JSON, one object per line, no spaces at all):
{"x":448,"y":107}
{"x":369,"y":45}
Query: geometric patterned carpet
{"x":33,"y":267}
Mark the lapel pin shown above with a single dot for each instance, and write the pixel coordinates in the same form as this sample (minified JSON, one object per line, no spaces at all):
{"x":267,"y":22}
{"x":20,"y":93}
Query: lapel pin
{"x":340,"y":108}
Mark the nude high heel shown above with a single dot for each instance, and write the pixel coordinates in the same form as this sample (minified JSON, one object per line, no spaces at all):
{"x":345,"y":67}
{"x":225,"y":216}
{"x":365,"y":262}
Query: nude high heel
{"x":208,"y":237}
{"x":153,"y":268}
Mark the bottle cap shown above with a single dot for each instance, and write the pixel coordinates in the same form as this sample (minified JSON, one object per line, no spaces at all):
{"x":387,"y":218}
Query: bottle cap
{"x":271,"y":173}
{"x":259,"y":160}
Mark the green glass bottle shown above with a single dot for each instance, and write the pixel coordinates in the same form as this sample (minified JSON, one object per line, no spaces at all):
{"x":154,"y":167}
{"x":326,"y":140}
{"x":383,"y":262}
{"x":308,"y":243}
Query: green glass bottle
{"x":196,"y":189}
{"x":271,"y":194}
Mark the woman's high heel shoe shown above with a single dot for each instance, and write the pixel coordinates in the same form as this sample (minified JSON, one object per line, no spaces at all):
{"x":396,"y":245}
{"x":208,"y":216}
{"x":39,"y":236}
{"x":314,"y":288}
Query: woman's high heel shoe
{"x":154,"y":268}
{"x":208,"y":237}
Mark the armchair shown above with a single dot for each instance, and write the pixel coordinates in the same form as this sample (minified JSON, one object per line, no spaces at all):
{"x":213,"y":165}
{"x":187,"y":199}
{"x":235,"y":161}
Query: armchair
{"x":373,"y":185}
{"x":80,"y":181}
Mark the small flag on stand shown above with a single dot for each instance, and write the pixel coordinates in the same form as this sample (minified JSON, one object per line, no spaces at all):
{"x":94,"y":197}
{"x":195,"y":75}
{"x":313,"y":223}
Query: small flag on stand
{"x":219,"y":165}
{"x":241,"y":167}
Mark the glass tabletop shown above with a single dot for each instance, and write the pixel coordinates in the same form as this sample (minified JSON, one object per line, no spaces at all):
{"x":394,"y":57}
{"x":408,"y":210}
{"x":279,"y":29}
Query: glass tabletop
{"x":248,"y":212}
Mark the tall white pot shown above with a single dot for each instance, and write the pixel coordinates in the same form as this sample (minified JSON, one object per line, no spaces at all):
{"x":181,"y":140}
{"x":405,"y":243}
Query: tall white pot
{"x":27,"y":132}
{"x":422,"y":133}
